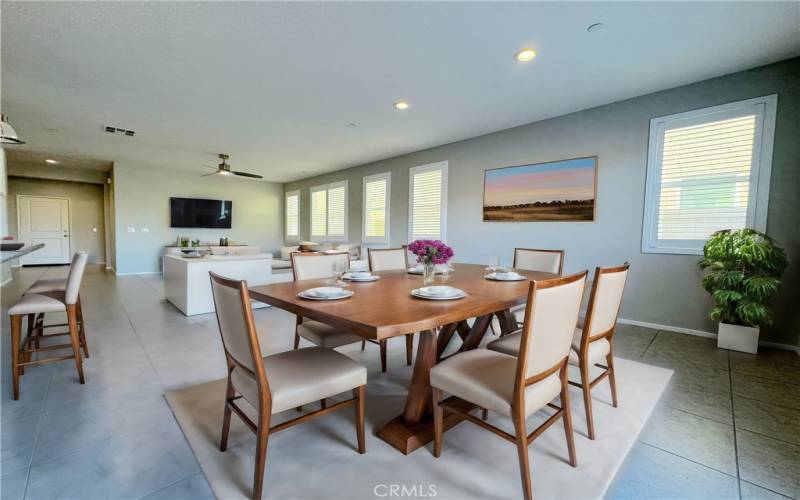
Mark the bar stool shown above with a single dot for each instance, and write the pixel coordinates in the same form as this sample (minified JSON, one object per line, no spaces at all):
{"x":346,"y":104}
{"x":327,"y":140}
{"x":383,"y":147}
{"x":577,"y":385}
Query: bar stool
{"x":36,"y":323}
{"x":33,"y":304}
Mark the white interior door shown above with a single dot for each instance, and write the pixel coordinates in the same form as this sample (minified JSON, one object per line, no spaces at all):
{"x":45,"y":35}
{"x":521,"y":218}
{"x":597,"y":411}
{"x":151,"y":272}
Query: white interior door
{"x":44,"y":220}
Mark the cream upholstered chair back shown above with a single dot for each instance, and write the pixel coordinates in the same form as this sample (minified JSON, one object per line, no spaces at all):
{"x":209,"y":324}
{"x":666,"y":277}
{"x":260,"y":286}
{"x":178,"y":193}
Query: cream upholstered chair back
{"x":607,"y":290}
{"x":232,"y":317}
{"x":531,"y":259}
{"x":316,"y":265}
{"x":76,"y":269}
{"x":550,"y":318}
{"x":387,"y":259}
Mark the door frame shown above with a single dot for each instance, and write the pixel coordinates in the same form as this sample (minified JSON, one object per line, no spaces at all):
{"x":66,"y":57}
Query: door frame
{"x":69,"y":220}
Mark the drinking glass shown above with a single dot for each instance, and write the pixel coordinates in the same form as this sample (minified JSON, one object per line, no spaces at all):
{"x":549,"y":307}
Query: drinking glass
{"x":494,"y":262}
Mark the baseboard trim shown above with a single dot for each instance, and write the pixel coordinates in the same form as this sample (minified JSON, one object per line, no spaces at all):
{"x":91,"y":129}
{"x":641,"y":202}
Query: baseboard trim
{"x":701,"y":333}
{"x":134,"y":274}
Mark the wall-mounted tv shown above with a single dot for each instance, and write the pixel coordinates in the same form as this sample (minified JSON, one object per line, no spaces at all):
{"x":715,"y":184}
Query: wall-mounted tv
{"x":195,"y":212}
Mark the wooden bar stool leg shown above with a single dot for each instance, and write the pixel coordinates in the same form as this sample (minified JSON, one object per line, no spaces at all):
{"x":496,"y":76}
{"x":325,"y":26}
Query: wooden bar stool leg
{"x":82,"y":326}
{"x":72,"y":321}
{"x":16,"y":326}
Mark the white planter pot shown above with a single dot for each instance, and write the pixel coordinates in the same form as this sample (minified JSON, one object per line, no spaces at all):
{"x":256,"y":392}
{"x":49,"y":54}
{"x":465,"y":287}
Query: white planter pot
{"x":738,"y":338}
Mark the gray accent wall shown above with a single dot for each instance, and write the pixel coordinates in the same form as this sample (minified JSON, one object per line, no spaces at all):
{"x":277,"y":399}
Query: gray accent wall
{"x":141,"y":200}
{"x":663,"y":289}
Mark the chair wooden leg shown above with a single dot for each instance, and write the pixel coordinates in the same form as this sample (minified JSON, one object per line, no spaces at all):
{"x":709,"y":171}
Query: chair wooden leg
{"x":484,"y":414}
{"x":438,"y":421}
{"x":358,"y":394}
{"x":82,"y":325}
{"x":72,"y":321}
{"x":226,"y":418}
{"x":612,"y":379}
{"x":521,"y":434}
{"x":573,"y":459}
{"x":323,"y":403}
{"x":587,"y":397}
{"x":409,"y":348}
{"x":363,"y":344}
{"x":262,"y":437}
{"x":383,"y":355}
{"x":16,"y":327}
{"x":296,"y":341}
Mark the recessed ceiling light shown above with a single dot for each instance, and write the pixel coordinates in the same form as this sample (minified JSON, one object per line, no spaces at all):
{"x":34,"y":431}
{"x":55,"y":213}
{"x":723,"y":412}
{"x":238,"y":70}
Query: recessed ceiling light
{"x":525,"y":55}
{"x":595,"y":27}
{"x":352,"y":125}
{"x":400,"y":105}
{"x":50,"y":161}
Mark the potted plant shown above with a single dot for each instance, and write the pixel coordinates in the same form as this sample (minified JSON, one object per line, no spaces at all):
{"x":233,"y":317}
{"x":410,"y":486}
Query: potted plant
{"x":430,"y":253}
{"x":744,"y":268}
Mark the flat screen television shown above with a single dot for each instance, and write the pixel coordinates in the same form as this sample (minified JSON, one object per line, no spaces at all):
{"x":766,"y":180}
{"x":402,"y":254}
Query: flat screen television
{"x":195,"y":212}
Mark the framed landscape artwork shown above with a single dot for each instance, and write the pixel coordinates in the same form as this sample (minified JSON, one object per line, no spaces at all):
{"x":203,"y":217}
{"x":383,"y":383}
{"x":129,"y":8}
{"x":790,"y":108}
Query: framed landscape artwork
{"x":553,"y":191}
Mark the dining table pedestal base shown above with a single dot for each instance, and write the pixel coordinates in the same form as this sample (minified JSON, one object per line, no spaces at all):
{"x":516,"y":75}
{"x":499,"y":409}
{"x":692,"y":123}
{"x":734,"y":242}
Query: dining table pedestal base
{"x":408,"y":437}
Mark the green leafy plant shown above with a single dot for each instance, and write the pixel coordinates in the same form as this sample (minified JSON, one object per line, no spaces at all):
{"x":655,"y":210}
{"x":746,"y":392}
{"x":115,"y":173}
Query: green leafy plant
{"x":744,"y":269}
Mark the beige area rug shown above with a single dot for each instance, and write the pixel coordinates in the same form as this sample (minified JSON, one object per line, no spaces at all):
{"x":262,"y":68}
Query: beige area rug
{"x":318,"y":459}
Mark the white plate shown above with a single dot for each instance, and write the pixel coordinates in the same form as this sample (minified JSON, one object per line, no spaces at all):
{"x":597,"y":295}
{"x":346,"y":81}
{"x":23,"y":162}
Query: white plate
{"x":372,"y":277}
{"x":460,"y":295}
{"x":438,"y":291}
{"x":308,"y":294}
{"x":494,"y":277}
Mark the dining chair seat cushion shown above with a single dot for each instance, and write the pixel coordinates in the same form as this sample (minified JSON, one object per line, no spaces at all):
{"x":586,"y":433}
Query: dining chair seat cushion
{"x":486,"y":378}
{"x":47,"y":285}
{"x":598,"y":350}
{"x":34,"y":303}
{"x":302,"y":376}
{"x":325,"y":335}
{"x":508,"y":344}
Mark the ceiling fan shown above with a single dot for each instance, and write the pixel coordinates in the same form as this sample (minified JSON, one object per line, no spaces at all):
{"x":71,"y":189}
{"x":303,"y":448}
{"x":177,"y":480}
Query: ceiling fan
{"x":225,"y":169}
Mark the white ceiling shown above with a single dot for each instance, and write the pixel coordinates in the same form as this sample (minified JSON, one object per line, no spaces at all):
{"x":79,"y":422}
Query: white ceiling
{"x":276,"y":84}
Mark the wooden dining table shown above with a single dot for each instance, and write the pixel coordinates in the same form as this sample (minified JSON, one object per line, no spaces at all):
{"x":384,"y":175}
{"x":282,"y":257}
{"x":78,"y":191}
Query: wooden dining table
{"x":385,"y":308}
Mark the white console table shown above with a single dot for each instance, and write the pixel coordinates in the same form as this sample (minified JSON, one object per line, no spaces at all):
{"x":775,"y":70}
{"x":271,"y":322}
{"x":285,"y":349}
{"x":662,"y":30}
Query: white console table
{"x":187,"y":285}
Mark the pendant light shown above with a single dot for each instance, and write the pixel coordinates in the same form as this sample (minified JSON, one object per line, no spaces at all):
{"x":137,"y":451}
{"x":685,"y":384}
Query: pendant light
{"x":7,"y":133}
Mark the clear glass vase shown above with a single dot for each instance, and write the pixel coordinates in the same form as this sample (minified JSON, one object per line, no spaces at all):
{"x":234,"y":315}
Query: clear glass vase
{"x":428,"y":273}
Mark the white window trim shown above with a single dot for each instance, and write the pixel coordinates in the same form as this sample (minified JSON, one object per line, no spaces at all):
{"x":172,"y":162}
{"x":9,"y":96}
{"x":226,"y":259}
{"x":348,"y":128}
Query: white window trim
{"x":328,"y":187}
{"x":443,"y":166}
{"x":369,"y":178}
{"x":759,"y":189}
{"x":287,"y":236}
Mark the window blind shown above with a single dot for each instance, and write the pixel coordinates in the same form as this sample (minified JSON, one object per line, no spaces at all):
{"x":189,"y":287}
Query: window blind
{"x":707,"y":170}
{"x":375,"y":197}
{"x":336,"y":211}
{"x":293,"y":214}
{"x":705,"y":178}
{"x":319,"y":212}
{"x":427,"y":202}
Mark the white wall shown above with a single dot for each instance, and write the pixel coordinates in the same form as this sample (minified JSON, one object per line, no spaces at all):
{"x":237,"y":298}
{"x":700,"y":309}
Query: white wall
{"x":141,"y":199}
{"x":663,"y":289}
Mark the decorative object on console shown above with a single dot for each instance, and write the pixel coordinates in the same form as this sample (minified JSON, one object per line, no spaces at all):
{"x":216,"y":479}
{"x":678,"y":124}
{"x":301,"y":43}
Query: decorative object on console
{"x":745,"y":267}
{"x":307,"y":246}
{"x":554,"y":191}
{"x":430,"y":253}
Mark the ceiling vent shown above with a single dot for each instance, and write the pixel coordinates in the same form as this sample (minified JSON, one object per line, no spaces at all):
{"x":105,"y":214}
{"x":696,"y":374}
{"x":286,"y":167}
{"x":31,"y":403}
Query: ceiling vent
{"x":117,"y":130}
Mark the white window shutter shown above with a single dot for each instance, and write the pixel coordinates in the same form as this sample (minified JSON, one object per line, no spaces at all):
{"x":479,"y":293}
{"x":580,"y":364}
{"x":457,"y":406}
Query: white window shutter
{"x":428,"y":201}
{"x":319,"y":213}
{"x":707,"y":170}
{"x":376,"y":208}
{"x":329,"y":212}
{"x":336,"y":211}
{"x":293,"y":214}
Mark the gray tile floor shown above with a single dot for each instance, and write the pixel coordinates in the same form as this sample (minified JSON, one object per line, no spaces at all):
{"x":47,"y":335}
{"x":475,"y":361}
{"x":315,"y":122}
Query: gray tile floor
{"x":727,"y":427}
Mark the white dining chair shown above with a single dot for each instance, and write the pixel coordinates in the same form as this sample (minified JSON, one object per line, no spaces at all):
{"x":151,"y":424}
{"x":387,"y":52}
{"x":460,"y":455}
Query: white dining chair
{"x":390,"y":259}
{"x":518,"y":387}
{"x":37,"y":305}
{"x":278,"y":382}
{"x":532,"y":259}
{"x":592,"y":342}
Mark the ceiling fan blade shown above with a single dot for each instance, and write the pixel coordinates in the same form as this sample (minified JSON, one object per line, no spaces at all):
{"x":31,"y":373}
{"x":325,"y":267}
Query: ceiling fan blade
{"x":206,"y":175}
{"x":209,"y":166}
{"x":245,"y":174}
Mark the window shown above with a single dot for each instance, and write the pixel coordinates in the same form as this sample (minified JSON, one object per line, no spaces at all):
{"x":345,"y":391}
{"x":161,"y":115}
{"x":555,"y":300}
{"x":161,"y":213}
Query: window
{"x":427,"y":201}
{"x":376,"y":208}
{"x":329,"y":212}
{"x":707,"y":170}
{"x":293,"y":214}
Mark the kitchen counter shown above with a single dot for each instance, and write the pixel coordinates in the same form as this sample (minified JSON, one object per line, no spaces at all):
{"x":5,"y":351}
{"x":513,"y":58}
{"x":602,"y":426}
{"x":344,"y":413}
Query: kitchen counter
{"x":8,"y":255}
